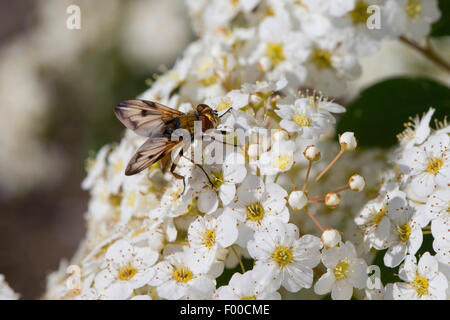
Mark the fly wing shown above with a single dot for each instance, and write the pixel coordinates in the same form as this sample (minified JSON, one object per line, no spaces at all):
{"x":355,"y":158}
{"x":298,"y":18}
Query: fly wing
{"x":146,"y":118}
{"x":153,"y":150}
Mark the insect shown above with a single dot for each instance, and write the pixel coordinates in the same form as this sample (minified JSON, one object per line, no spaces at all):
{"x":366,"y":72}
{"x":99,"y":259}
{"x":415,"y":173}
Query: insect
{"x":158,"y":122}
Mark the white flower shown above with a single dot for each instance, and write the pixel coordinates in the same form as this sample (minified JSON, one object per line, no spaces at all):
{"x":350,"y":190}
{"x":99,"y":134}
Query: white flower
{"x":412,"y":18}
{"x":280,"y":158}
{"x":95,"y":168}
{"x":221,"y":182}
{"x":427,"y":166}
{"x":245,"y":287}
{"x":437,"y":208}
{"x":423,"y":281}
{"x":417,"y":131}
{"x":208,"y":234}
{"x":284,"y":259}
{"x":127,"y":267}
{"x":6,"y":293}
{"x":344,"y":271}
{"x":117,"y":162}
{"x":336,"y":8}
{"x":178,"y":278}
{"x":255,"y":204}
{"x":303,"y":117}
{"x":406,"y":234}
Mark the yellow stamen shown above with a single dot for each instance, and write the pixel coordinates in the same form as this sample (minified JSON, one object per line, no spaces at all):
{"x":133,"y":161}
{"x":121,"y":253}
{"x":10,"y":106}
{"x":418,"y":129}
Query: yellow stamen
{"x":275,"y":53}
{"x":413,"y":8}
{"x":282,"y":256}
{"x":255,"y":212}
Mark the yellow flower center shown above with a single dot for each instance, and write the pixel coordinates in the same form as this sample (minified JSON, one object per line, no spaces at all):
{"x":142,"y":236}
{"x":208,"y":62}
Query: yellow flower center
{"x":302,"y":120}
{"x":322,"y":59}
{"x":255,"y":212}
{"x":209,"y":238}
{"x":359,"y":14}
{"x":379,"y":216}
{"x":413,"y":8}
{"x":248,"y":298}
{"x":282,"y":162}
{"x":341,"y":270}
{"x":209,"y":81}
{"x":127,"y":272}
{"x":115,"y":200}
{"x":130,"y":199}
{"x":404,"y":232}
{"x":117,"y":167}
{"x":224,"y":104}
{"x":216,"y":178}
{"x":434,"y":165}
{"x":182,"y":274}
{"x":282,"y":256}
{"x":420,"y":284}
{"x":275,"y":53}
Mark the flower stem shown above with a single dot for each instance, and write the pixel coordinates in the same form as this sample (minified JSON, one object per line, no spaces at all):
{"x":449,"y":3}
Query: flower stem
{"x":307,"y":175}
{"x":427,"y":52}
{"x":239,"y":258}
{"x":326,"y":169}
{"x":315,"y":220}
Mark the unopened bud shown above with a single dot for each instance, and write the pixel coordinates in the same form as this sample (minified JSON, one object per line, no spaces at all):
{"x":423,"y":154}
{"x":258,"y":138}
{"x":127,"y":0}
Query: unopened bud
{"x":332,"y":199}
{"x":357,"y":183}
{"x":347,"y":141}
{"x":298,"y":200}
{"x":330,"y":238}
{"x":312,"y":153}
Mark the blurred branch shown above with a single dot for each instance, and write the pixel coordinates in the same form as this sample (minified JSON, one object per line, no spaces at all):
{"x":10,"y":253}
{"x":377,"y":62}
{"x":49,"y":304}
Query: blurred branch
{"x":427,"y":52}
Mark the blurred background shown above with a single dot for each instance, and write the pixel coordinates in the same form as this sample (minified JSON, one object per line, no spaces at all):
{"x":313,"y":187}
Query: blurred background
{"x":58,"y":88}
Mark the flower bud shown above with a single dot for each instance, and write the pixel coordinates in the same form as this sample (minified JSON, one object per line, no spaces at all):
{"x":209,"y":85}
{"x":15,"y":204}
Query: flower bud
{"x":312,"y":153}
{"x":332,"y":199}
{"x":356,"y":182}
{"x":348,"y":141}
{"x":330,"y":238}
{"x":297,"y":200}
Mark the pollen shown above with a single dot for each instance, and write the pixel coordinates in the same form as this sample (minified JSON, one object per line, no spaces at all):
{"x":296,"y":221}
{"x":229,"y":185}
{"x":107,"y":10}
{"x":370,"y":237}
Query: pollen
{"x":209,"y":238}
{"x":282,"y":162}
{"x":322,"y":59}
{"x":379,"y":216}
{"x":275,"y":53}
{"x":131,"y":199}
{"x":117,"y":167}
{"x":302,"y":120}
{"x":217,"y":179}
{"x":255,"y":212}
{"x":248,"y":298}
{"x":413,"y":8}
{"x":127,"y":272}
{"x":282,"y":256}
{"x":434,"y":165}
{"x":341,"y":270}
{"x":115,"y":200}
{"x":182,"y":274}
{"x":224,"y":104}
{"x":404,"y":232}
{"x":420,"y":284}
{"x":360,"y":14}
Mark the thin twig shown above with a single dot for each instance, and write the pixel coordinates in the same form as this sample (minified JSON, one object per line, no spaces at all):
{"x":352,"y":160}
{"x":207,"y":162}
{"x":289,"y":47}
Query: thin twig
{"x":427,"y":52}
{"x":239,"y":259}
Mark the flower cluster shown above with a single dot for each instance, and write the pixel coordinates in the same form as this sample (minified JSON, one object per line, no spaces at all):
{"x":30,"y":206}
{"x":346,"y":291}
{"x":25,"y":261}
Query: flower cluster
{"x":413,"y":205}
{"x":152,"y":236}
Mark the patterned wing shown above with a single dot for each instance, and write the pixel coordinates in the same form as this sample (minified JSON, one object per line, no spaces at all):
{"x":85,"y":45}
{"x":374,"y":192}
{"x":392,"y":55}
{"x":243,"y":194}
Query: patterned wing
{"x":146,"y":118}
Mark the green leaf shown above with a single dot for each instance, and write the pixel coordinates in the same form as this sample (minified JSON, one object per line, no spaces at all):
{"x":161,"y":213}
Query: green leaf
{"x":442,"y":27}
{"x":228,"y":273}
{"x":378,"y":114}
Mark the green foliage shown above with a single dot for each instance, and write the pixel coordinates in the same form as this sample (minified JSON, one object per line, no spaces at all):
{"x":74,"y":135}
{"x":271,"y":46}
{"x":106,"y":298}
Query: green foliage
{"x":228,"y":273}
{"x":442,"y":27}
{"x":380,"y":111}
